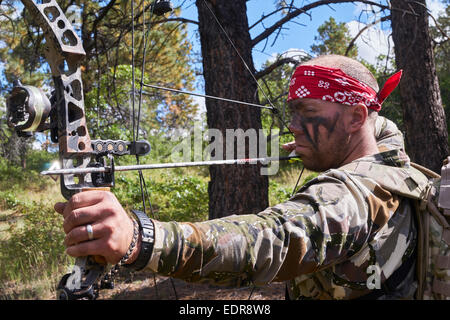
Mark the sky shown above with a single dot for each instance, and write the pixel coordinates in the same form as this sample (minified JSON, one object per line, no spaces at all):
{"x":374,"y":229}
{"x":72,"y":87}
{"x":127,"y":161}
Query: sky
{"x":296,"y":36}
{"x":299,"y":36}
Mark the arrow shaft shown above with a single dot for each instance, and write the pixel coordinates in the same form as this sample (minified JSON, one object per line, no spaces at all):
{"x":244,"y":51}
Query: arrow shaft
{"x":164,"y":165}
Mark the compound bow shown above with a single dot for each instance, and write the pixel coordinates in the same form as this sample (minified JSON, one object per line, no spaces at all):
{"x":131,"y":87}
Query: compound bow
{"x":86,"y":164}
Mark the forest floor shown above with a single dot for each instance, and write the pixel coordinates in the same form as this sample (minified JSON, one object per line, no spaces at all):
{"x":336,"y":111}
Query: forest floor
{"x":141,"y":286}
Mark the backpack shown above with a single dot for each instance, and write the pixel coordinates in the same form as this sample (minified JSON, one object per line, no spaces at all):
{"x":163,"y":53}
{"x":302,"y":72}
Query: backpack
{"x":430,"y":194}
{"x":433,"y":250}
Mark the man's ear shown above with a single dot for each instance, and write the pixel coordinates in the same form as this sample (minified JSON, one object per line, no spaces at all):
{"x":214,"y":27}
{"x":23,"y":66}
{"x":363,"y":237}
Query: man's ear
{"x":356,"y":117}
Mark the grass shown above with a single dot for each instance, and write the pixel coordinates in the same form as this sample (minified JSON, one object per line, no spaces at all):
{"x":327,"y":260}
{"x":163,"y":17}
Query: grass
{"x":31,"y":250}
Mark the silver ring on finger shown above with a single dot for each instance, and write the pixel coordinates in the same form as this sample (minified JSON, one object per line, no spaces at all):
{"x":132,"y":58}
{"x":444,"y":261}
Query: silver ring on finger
{"x":90,"y":231}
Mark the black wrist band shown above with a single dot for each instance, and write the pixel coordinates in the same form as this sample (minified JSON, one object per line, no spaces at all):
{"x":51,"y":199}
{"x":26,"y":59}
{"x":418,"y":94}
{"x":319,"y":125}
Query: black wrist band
{"x":147,"y":231}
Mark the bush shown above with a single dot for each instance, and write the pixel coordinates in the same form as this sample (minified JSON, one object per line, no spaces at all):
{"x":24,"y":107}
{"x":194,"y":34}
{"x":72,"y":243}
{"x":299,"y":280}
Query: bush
{"x":40,"y":160}
{"x":182,"y":199}
{"x":35,"y":247}
{"x":15,"y":177}
{"x":278,"y":193}
{"x":9,"y":173}
{"x":173,"y":197}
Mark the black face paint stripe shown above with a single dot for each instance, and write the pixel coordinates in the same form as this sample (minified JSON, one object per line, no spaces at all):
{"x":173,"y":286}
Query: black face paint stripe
{"x":308,"y":136}
{"x":332,"y":125}
{"x":327,"y":123}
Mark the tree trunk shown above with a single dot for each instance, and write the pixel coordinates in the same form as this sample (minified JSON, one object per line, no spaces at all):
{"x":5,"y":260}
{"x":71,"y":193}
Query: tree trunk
{"x":236,"y":189}
{"x":423,"y":113}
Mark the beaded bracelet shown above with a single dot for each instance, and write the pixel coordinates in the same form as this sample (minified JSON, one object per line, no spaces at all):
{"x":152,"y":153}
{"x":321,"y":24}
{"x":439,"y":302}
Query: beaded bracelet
{"x":132,"y":244}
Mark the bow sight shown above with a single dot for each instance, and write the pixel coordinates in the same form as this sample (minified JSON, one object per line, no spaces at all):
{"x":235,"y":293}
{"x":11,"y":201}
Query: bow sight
{"x":29,"y":110}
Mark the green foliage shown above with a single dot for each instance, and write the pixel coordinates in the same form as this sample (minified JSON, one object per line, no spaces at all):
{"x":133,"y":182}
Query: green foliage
{"x":31,"y":235}
{"x":173,"y":196}
{"x":310,"y":177}
{"x":333,"y":38}
{"x":9,"y":172}
{"x":39,"y":160}
{"x":34,"y":248}
{"x":278,"y":193}
{"x":13,"y":177}
{"x":182,"y":199}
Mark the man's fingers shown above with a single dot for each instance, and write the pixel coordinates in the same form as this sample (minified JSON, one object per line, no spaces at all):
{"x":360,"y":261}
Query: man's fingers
{"x":82,"y":216}
{"x":59,"y":207}
{"x":81,"y":200}
{"x":87,"y":198}
{"x":80,"y":234}
{"x":92,"y":248}
{"x":289,"y":146}
{"x":88,"y":248}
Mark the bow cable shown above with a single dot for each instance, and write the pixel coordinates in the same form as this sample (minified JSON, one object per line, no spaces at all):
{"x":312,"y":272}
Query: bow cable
{"x":144,"y":191}
{"x":274,"y":109}
{"x":205,"y":96}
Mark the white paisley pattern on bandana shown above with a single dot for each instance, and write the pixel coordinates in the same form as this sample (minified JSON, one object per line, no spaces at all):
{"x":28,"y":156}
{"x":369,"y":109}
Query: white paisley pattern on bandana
{"x":329,"y":84}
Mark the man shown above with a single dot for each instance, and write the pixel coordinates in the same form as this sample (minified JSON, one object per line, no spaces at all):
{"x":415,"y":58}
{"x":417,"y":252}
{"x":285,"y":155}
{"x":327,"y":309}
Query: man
{"x":340,"y":237}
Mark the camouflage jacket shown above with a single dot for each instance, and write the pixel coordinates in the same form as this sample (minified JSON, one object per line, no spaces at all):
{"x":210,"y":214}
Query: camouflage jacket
{"x":322,"y":240}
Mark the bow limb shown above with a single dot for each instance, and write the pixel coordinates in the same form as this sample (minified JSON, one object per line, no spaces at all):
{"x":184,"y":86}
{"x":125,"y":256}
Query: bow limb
{"x":64,"y":52}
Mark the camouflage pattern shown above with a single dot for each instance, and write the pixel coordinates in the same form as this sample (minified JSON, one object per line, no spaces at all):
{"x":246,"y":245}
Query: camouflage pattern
{"x":322,"y":240}
{"x":434,"y":240}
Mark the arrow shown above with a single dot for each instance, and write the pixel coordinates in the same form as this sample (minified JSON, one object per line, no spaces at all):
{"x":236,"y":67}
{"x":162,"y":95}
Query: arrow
{"x":164,"y":165}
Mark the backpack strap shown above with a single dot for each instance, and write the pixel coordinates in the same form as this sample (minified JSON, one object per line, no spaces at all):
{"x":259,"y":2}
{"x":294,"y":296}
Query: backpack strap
{"x":427,"y":204}
{"x":424,"y":170}
{"x":444,"y":192}
{"x":422,"y":249}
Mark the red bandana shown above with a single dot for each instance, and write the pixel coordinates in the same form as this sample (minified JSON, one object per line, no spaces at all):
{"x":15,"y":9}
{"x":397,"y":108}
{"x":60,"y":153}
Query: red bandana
{"x":334,"y":85}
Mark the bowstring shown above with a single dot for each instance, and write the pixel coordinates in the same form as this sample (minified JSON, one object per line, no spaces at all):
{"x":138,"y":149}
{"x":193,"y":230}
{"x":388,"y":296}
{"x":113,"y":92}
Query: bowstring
{"x":274,"y":109}
{"x":143,"y":186}
{"x":135,"y":135}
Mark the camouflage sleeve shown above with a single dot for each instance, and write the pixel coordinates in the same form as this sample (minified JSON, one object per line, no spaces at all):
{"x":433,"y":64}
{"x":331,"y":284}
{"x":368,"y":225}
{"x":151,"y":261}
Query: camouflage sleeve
{"x":311,"y":231}
{"x":387,"y":134}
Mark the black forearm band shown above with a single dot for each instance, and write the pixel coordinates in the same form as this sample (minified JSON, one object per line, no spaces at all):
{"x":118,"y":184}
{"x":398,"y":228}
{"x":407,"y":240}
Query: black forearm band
{"x":147,"y":231}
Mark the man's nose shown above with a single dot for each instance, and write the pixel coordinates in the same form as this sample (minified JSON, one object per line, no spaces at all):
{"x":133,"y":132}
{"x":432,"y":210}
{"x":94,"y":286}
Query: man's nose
{"x":295,"y":126}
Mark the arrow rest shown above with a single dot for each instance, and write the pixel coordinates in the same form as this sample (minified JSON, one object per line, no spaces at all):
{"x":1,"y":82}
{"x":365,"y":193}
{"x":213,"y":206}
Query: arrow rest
{"x":103,"y":179}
